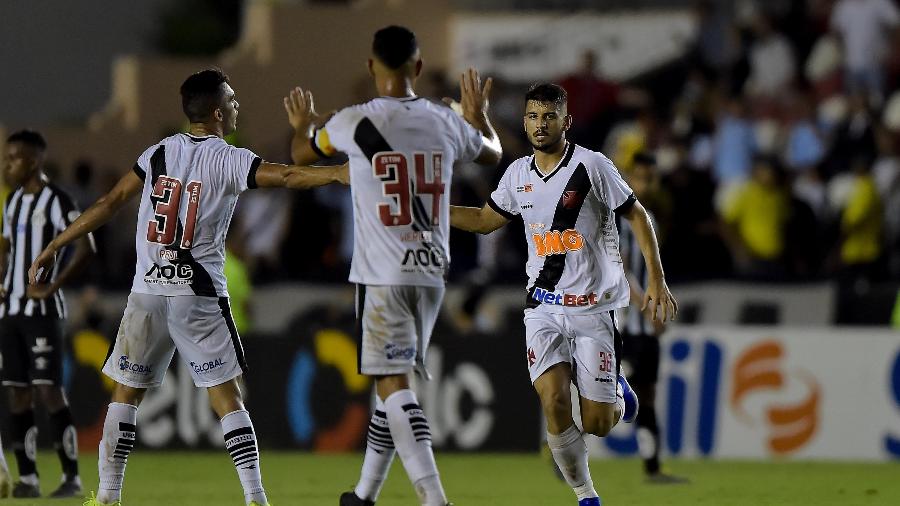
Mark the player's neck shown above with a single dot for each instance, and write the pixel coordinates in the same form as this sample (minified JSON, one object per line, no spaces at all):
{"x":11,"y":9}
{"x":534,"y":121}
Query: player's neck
{"x":35,"y":184}
{"x":396,"y":87}
{"x":546,"y":161}
{"x":204,"y":130}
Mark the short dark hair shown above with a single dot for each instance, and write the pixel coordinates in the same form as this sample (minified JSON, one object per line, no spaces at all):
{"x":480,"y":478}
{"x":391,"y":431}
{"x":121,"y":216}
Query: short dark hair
{"x":644,"y":158}
{"x":547,"y":92}
{"x":200,"y":94}
{"x":394,"y":45}
{"x":29,"y":138}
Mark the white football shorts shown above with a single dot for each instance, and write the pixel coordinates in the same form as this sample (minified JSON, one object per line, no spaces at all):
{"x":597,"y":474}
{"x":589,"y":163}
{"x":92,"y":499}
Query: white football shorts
{"x":153,"y":326}
{"x":586,"y":342}
{"x":394,"y":325}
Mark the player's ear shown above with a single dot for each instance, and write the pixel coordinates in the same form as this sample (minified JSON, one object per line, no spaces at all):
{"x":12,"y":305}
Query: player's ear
{"x":567,"y":122}
{"x":218,"y":115}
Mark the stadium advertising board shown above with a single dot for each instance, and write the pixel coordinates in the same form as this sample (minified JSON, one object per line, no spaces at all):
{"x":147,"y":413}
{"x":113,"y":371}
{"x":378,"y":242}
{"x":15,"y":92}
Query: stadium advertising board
{"x":775,"y":392}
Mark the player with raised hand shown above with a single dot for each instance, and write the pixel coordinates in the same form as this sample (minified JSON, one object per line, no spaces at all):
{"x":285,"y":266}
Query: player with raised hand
{"x":402,"y":149}
{"x":189,"y":184}
{"x":568,"y":198}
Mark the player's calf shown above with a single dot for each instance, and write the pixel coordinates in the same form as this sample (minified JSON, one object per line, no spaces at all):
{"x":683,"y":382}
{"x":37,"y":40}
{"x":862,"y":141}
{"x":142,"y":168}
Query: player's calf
{"x":598,"y":418}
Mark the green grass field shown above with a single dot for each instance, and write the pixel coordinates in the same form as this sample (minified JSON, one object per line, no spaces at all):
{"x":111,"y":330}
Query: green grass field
{"x":297,"y":479}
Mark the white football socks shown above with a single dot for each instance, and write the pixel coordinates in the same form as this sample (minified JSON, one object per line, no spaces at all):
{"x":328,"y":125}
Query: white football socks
{"x":379,"y":455}
{"x":119,"y":434}
{"x":571,"y":455}
{"x":240,"y":441}
{"x":412,"y":437}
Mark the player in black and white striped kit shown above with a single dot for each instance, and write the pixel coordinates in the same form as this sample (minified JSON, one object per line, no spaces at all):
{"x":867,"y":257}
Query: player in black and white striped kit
{"x":189,"y":184}
{"x":31,"y":316}
{"x":640,"y":333}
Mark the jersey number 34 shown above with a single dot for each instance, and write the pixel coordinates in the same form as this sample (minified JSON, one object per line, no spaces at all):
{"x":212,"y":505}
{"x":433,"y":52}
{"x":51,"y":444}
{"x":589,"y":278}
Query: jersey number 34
{"x":392,"y":168}
{"x":164,"y":225}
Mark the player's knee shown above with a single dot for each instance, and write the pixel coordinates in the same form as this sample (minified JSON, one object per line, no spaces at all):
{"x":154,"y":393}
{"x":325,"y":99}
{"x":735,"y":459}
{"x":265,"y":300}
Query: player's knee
{"x":556,"y":403}
{"x":128,"y":395}
{"x":20,"y":399}
{"x":598,"y":422}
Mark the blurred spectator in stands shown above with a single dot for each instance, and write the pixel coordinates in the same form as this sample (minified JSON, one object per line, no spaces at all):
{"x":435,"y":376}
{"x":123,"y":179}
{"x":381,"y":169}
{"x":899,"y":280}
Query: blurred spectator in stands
{"x":734,"y":144}
{"x":595,"y":101}
{"x":861,"y":224}
{"x":864,"y":27}
{"x":756,"y":216}
{"x":629,"y":138}
{"x":852,"y":138}
{"x":262,"y":221}
{"x":715,"y":49}
{"x":772,"y":64}
{"x":83,"y":189}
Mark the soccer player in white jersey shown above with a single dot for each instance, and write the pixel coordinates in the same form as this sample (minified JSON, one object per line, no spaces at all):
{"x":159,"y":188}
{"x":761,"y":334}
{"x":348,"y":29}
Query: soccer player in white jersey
{"x":189,"y":184}
{"x":568,"y":197}
{"x":402,"y":149}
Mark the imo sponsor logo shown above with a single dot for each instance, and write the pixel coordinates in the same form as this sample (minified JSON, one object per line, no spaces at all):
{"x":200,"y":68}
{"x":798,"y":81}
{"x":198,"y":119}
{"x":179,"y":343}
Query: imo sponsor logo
{"x":205,"y":367}
{"x":555,"y":242}
{"x":394,"y":352}
{"x":133,"y":367}
{"x":564,"y":299}
{"x":761,"y":369}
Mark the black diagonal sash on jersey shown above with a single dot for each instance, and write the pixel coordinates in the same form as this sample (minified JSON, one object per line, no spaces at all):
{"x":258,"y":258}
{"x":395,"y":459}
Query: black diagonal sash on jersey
{"x":563,"y":219}
{"x":371,"y":142}
{"x":201,"y":281}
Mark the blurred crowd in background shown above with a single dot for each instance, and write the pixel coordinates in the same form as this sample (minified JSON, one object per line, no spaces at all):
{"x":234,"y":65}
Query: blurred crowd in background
{"x":777,"y":147}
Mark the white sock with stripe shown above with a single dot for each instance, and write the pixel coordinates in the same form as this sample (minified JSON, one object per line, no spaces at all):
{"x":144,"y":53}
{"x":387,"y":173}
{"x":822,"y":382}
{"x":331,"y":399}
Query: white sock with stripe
{"x":119,"y":434}
{"x":240,"y":441}
{"x":412,"y":437}
{"x":379,"y":455}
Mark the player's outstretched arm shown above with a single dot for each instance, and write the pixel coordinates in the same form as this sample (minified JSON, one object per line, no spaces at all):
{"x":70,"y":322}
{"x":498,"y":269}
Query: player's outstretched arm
{"x":270,"y":175}
{"x":662,"y":305}
{"x":93,"y":218}
{"x":473,"y":106}
{"x":481,"y":220}
{"x":302,"y":116}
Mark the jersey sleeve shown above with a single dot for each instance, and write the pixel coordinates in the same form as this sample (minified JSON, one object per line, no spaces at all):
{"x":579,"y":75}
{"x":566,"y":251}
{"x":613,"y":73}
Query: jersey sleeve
{"x":242,"y":164}
{"x":142,"y":166}
{"x":335,"y":135}
{"x":615,"y":191}
{"x":469,"y":140}
{"x":502,"y":200}
{"x":63,"y":211}
{"x":6,"y":230}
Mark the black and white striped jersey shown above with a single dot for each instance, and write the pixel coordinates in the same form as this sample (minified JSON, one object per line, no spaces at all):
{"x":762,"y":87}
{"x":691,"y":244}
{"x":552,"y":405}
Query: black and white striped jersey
{"x":631,"y":320}
{"x":30,"y":222}
{"x":574,"y":265}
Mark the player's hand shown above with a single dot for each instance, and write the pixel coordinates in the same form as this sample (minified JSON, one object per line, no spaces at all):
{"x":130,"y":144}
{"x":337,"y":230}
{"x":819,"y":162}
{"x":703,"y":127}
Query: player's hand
{"x":301,"y":109}
{"x":474,"y":98}
{"x":41,"y":266}
{"x":659,"y":302}
{"x":39,"y":291}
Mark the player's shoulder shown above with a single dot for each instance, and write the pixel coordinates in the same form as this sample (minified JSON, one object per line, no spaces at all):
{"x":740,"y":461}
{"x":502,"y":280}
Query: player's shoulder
{"x":58,"y":191}
{"x":518,"y":168}
{"x":591,"y":158}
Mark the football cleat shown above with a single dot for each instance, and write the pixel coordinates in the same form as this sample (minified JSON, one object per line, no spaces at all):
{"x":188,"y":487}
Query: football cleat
{"x":22,"y":489}
{"x":92,"y":501}
{"x":630,"y":398}
{"x":351,"y":499}
{"x":68,"y":488}
{"x":590,"y":501}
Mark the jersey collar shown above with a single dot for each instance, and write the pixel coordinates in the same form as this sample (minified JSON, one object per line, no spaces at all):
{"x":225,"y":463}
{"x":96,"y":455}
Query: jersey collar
{"x":570,"y":149}
{"x":197,"y":138}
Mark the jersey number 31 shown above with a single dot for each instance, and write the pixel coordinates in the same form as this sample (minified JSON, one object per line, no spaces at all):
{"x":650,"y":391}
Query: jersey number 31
{"x":164,"y":225}
{"x":392,"y":168}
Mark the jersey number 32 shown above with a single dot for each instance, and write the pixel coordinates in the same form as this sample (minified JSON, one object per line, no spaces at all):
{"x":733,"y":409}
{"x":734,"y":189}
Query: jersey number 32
{"x":164,"y":225}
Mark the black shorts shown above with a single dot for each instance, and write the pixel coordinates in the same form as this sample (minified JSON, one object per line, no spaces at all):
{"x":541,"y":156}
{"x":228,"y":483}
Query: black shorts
{"x":31,"y":349}
{"x":641,"y":353}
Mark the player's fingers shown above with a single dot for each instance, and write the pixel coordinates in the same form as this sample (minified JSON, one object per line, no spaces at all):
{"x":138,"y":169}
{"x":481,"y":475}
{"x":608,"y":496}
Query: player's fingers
{"x":664,"y":310}
{"x":672,"y":309}
{"x":476,"y":79}
{"x":486,"y":92}
{"x":309,"y":102}
{"x":674,"y":306}
{"x":463,"y":90}
{"x":654,"y":306}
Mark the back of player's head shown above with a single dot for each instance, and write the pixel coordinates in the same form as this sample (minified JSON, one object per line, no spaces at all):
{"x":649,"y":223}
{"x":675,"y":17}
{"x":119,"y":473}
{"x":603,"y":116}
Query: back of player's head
{"x":645,"y":158}
{"x":29,"y":138}
{"x":394,"y":46}
{"x":201,"y":94}
{"x":547,"y":92}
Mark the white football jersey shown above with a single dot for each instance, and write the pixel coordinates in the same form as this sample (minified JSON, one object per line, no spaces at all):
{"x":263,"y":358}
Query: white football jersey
{"x":191,"y":185}
{"x":401,"y":153}
{"x":574,"y":266}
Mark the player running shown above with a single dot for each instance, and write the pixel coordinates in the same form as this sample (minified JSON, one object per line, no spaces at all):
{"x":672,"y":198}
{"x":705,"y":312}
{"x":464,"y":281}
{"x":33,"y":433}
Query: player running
{"x":189,"y":185}
{"x":568,"y":197}
{"x":402,"y":149}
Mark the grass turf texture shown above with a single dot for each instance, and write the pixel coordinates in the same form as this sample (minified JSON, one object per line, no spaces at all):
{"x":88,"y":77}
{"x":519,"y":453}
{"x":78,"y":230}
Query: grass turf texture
{"x":297,"y":479}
